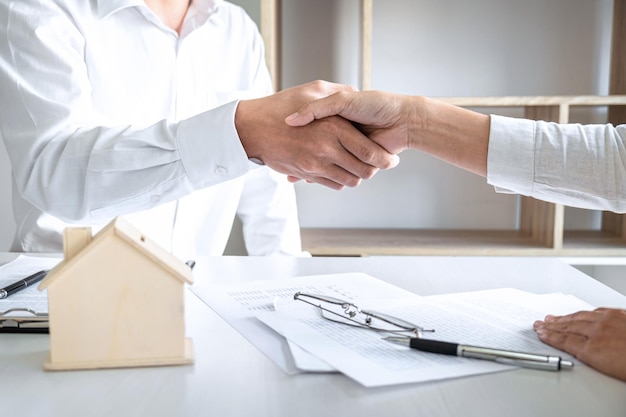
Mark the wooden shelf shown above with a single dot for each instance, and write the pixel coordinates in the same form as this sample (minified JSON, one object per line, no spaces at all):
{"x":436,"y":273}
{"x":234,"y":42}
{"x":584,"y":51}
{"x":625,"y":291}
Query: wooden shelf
{"x":541,"y":225}
{"x":523,"y":101}
{"x":369,"y":242}
{"x":541,"y":231}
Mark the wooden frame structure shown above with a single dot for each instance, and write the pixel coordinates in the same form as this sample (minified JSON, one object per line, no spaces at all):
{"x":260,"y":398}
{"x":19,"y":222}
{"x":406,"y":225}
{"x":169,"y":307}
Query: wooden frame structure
{"x":541,"y":224}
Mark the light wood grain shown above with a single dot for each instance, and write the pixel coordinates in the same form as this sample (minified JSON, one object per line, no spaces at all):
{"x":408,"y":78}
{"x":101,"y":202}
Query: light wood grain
{"x":522,"y":101}
{"x":367,"y":17}
{"x":271,"y":32}
{"x":423,"y":242}
{"x":116,"y":300}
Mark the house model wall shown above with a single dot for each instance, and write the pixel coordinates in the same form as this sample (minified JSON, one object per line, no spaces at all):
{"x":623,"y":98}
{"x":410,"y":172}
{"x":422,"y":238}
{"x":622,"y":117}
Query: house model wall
{"x":116,"y":300}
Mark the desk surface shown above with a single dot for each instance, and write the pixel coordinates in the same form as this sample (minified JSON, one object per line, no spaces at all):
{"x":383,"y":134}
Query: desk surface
{"x":232,"y":378}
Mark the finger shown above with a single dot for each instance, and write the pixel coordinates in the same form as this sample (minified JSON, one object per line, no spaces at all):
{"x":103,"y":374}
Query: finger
{"x":338,"y":181}
{"x":579,"y":315}
{"x":325,"y":182}
{"x":334,"y":167}
{"x":327,"y":88}
{"x":332,"y":105}
{"x":574,"y":327}
{"x":364,"y":156}
{"x":341,"y":176}
{"x":369,"y":151}
{"x":334,"y":175}
{"x":571,"y":343}
{"x":335,"y":151}
{"x":351,"y":169}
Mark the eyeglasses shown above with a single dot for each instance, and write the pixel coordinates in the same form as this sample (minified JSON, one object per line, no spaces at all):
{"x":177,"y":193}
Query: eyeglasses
{"x":344,"y":312}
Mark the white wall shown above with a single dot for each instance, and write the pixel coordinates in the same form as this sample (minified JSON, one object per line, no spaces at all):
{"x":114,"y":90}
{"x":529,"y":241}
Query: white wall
{"x":436,"y":48}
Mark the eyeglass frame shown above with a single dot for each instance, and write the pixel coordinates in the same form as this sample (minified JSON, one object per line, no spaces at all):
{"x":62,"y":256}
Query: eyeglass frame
{"x":351,"y":310}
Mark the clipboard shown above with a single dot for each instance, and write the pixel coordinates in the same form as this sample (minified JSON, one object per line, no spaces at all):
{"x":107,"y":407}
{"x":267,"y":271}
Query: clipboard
{"x":23,"y":320}
{"x":25,"y":311}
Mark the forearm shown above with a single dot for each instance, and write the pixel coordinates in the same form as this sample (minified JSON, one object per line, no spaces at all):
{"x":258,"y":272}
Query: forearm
{"x":83,"y":147}
{"x":453,"y":134}
{"x":571,"y":164}
{"x":94,"y":172}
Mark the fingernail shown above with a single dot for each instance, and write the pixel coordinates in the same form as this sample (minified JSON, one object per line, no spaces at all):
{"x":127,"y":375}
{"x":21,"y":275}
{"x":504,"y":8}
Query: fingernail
{"x":550,"y":317}
{"x":395,"y":160}
{"x":291,"y":117}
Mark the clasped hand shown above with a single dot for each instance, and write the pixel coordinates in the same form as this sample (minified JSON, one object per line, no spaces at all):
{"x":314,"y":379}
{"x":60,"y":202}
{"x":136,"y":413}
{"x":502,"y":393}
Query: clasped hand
{"x":330,"y":151}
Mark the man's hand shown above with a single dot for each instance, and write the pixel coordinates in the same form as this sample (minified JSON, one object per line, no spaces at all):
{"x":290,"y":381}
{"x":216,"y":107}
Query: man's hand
{"x":597,"y":338}
{"x":381,"y":116}
{"x":331,"y":151}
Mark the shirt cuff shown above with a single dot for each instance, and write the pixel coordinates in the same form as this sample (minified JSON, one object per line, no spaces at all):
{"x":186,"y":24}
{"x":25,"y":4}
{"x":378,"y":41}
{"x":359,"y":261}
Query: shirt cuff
{"x":210,"y":148}
{"x":511,"y":155}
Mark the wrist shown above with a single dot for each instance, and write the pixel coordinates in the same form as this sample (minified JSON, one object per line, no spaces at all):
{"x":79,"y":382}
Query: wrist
{"x":417,"y":109}
{"x":454,"y":134}
{"x":244,"y":125}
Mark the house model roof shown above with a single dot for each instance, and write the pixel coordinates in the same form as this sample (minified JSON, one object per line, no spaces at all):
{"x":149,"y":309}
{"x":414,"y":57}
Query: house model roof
{"x":128,"y":234}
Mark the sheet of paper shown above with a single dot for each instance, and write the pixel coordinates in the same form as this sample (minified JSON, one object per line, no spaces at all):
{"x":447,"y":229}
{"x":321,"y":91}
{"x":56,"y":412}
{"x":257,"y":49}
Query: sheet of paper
{"x":30,"y":297}
{"x":496,"y":318}
{"x":238,"y":304}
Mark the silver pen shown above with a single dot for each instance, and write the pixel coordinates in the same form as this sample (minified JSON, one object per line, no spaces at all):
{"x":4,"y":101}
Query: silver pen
{"x":525,"y":360}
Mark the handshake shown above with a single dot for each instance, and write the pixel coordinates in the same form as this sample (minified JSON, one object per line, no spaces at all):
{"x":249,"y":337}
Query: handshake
{"x":333,"y":135}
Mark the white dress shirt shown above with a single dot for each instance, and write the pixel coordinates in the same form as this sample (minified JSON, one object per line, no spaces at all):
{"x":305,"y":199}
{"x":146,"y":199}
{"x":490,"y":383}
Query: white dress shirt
{"x":106,"y":111}
{"x":571,"y":164}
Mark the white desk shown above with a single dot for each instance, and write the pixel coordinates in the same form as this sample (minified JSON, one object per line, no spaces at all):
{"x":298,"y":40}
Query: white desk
{"x":231,"y":378}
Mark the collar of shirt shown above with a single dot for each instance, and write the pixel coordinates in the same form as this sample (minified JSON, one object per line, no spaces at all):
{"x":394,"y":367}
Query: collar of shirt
{"x":108,"y":7}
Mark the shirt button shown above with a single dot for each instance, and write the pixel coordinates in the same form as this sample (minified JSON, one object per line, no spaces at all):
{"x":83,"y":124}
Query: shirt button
{"x":155,"y":198}
{"x":221,"y":171}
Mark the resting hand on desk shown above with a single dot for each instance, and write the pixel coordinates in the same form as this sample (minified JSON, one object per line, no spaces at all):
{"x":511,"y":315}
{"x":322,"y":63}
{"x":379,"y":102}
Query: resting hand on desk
{"x":597,"y":338}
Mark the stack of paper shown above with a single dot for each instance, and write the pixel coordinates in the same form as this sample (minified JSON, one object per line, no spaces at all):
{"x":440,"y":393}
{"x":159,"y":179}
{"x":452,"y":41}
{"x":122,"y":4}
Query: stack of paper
{"x":297,"y":338}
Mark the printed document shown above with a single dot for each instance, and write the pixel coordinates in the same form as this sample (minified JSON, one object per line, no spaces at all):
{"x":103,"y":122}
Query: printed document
{"x":238,"y":304}
{"x":499,"y":319}
{"x":297,"y":338}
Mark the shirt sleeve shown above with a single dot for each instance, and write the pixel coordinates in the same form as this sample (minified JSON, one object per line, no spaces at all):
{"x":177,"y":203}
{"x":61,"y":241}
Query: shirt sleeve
{"x":72,"y":162}
{"x":572,"y":164}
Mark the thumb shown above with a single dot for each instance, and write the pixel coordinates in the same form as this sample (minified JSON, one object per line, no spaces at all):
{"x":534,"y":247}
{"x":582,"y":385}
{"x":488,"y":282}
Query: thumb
{"x":300,"y":118}
{"x":329,"y":106}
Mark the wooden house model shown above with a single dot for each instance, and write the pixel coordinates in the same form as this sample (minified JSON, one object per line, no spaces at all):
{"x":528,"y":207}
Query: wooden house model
{"x":116,"y":300}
